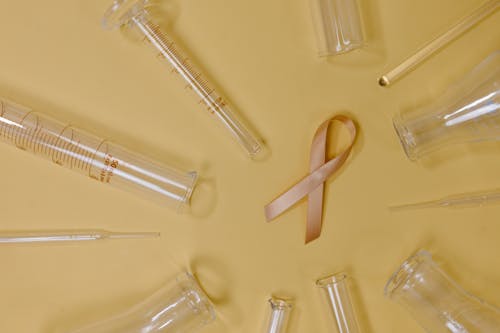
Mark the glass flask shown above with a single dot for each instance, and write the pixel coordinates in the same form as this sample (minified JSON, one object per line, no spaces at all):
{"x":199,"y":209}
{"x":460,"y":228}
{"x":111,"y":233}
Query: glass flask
{"x":467,"y":112}
{"x":437,"y":302}
{"x":337,"y":296}
{"x":94,"y":157}
{"x":279,"y":315}
{"x":338,"y":26}
{"x":179,"y":309}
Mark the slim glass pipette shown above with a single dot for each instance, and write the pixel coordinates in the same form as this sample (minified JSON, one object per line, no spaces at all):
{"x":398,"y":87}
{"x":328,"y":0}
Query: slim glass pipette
{"x":56,"y":236}
{"x":134,"y":13}
{"x":455,"y":201}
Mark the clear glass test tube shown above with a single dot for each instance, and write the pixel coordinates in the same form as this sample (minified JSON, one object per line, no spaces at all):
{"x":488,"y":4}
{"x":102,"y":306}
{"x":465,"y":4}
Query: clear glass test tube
{"x":181,"y":307}
{"x":94,"y":157}
{"x":136,"y":14}
{"x":338,"y":26}
{"x":279,"y":315}
{"x":336,"y":293}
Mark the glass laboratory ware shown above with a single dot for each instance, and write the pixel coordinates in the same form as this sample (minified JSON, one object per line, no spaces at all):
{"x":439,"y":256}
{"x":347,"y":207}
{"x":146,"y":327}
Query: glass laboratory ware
{"x":182,"y":308}
{"x":488,"y":8}
{"x":338,"y":26}
{"x":468,"y":112}
{"x":94,"y":157}
{"x":335,"y":290}
{"x":136,"y":14}
{"x":58,"y":236}
{"x":437,"y":302}
{"x":471,"y":199}
{"x":279,"y":315}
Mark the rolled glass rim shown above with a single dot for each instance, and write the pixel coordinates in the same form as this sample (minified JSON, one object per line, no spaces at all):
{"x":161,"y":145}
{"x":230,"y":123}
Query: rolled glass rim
{"x":120,"y":12}
{"x":409,"y":149}
{"x":405,"y":272}
{"x":187,"y":282}
{"x":280,"y":303}
{"x":331,"y":280}
{"x":355,"y":45}
{"x":186,"y":199}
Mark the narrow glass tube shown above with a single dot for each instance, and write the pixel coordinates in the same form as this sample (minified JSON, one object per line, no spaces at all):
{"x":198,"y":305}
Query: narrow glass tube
{"x":58,"y":236}
{"x":279,"y":315}
{"x":338,"y":26}
{"x":94,"y":157}
{"x":436,"y":301}
{"x":133,"y":13}
{"x":182,"y":307}
{"x":336,"y":293}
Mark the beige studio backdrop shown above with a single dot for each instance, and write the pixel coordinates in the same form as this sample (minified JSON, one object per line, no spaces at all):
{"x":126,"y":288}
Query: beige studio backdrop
{"x":55,"y":58}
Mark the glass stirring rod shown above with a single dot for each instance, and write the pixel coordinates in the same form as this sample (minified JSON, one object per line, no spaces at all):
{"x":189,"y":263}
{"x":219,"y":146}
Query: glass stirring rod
{"x":134,"y":13}
{"x":471,"y":199}
{"x":488,"y":8}
{"x":12,"y":237}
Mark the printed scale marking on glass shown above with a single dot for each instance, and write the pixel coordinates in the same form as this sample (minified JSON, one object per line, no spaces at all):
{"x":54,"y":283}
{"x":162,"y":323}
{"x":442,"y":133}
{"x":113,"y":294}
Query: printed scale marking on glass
{"x":93,"y":156}
{"x":133,"y":13}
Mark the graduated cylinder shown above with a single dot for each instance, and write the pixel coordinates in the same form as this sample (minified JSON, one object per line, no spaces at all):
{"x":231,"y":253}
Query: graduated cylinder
{"x":94,"y":157}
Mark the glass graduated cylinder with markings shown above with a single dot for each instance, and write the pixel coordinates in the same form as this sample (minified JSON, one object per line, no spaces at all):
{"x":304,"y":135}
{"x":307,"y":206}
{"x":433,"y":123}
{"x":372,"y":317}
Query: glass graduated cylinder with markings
{"x":94,"y":157}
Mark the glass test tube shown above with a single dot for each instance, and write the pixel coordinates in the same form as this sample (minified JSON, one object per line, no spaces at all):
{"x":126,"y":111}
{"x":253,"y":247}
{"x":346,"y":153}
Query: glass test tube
{"x":338,"y":298}
{"x":133,"y":13}
{"x":279,"y":316}
{"x":94,"y":157}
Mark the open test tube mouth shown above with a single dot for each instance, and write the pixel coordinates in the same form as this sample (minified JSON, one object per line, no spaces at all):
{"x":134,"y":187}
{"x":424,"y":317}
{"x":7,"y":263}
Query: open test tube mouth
{"x":331,"y":280}
{"x":185,"y":202}
{"x":405,"y":272}
{"x":280,"y":303}
{"x":199,"y":299}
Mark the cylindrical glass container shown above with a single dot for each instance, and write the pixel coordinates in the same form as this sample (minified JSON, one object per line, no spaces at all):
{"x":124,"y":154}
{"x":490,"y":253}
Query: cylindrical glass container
{"x":94,"y":157}
{"x":437,"y":302}
{"x":338,"y":26}
{"x":279,"y":315}
{"x":182,"y":308}
{"x":468,"y":112}
{"x":338,"y":298}
{"x":136,"y":14}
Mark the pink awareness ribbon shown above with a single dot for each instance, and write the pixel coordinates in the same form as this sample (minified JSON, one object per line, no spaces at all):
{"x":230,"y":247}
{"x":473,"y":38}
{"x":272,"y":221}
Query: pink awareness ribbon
{"x":313,"y":184}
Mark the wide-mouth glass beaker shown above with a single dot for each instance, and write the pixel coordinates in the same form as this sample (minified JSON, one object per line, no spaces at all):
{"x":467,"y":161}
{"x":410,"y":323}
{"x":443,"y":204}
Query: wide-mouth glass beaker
{"x":179,"y":308}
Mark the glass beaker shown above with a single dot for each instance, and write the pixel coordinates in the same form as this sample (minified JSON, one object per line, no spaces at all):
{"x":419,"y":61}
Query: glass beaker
{"x":468,"y":112}
{"x":437,"y":302}
{"x":179,"y":309}
{"x":336,"y":293}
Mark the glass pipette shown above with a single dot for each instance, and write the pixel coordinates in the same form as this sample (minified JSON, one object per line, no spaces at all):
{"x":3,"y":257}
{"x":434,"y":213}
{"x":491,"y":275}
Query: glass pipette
{"x":56,"y":236}
{"x":435,"y":45}
{"x":134,"y":13}
{"x":94,"y":157}
{"x":471,"y":199}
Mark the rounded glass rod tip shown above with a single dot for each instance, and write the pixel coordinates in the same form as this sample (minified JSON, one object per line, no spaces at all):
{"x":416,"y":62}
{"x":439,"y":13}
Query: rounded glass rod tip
{"x":121,"y":11}
{"x":383,"y":81}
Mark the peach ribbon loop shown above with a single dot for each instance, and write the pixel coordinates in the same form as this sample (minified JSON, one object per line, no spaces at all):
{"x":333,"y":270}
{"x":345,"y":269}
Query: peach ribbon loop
{"x":313,"y":184}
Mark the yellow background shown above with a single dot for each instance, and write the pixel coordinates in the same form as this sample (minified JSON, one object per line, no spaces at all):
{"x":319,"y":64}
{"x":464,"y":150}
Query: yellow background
{"x":56,"y":59}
